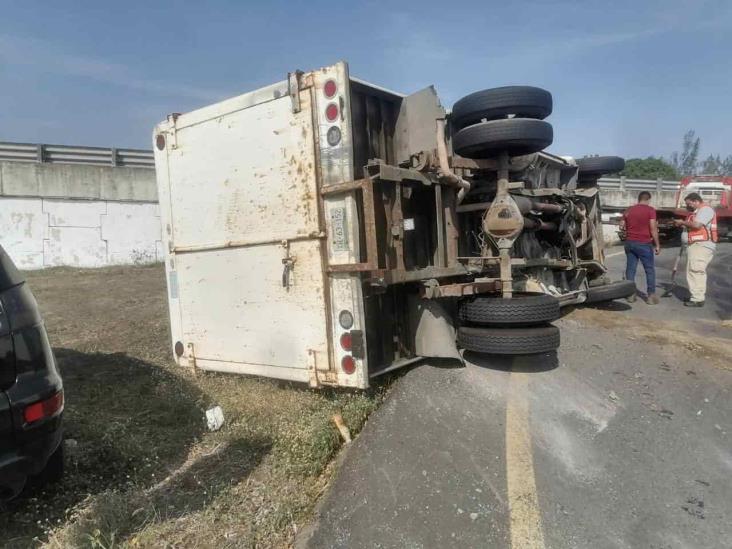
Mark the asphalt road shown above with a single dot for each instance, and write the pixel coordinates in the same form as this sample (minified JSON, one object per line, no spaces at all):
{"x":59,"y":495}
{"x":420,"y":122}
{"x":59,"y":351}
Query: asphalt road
{"x":719,"y":286}
{"x":621,"y":439}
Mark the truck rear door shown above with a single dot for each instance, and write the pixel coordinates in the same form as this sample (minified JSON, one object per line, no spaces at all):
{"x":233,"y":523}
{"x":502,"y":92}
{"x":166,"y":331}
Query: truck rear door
{"x":241,"y":222}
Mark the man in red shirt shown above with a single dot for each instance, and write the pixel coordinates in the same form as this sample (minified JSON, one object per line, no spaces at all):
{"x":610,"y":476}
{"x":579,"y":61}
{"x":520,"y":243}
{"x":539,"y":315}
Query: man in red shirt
{"x":641,"y":241}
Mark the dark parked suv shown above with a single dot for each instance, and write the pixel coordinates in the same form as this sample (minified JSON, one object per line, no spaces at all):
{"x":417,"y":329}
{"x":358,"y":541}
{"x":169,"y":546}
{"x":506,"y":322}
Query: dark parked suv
{"x":31,"y":392}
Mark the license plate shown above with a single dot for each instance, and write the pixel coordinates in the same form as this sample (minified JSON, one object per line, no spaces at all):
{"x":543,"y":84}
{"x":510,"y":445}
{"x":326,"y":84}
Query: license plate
{"x":339,"y":235}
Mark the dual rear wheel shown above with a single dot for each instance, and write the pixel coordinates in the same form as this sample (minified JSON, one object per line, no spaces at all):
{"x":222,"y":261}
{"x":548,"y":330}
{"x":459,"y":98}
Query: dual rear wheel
{"x":515,"y":326}
{"x":521,"y":325}
{"x":508,"y":119}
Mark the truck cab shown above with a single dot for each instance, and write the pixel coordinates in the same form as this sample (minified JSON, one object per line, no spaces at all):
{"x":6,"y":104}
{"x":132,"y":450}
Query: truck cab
{"x":715,"y":190}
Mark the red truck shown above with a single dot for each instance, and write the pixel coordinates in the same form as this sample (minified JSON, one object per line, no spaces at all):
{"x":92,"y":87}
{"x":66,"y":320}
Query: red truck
{"x":715,"y":190}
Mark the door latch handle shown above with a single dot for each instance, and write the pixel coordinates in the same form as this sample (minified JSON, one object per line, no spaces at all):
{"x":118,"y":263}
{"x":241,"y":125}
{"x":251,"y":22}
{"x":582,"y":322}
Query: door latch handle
{"x":288,"y":264}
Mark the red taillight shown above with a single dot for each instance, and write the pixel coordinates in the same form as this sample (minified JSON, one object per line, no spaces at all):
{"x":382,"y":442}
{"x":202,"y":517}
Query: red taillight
{"x":330,"y":89}
{"x":348,"y":364}
{"x":44,"y":409}
{"x":331,"y":112}
{"x":346,"y":341}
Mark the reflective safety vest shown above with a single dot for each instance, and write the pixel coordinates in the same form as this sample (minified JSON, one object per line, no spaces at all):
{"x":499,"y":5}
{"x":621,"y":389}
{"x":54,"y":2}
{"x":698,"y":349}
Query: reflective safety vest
{"x":704,"y":233}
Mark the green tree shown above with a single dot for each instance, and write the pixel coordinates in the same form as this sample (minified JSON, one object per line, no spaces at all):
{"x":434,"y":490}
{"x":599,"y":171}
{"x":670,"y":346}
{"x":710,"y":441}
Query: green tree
{"x":712,"y":165}
{"x":727,"y":166}
{"x":650,"y":168}
{"x":686,"y":161}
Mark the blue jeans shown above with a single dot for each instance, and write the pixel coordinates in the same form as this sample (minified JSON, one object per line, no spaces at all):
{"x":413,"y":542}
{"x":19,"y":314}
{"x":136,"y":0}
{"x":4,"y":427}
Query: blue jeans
{"x":635,"y":251}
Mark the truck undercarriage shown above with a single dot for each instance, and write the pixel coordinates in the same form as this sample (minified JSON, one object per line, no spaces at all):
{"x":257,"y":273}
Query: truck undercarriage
{"x":499,"y":238}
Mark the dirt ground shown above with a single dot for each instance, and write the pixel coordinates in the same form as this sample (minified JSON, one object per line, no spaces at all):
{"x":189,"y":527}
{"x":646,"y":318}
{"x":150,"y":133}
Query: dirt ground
{"x":141,"y":468}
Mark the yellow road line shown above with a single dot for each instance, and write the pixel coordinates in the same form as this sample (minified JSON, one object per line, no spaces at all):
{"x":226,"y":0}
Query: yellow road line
{"x":523,"y":502}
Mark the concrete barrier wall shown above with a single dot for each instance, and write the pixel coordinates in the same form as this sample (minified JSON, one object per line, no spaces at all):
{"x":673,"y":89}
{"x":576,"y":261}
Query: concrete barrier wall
{"x":78,"y":215}
{"x":78,"y":181}
{"x":616,"y":198}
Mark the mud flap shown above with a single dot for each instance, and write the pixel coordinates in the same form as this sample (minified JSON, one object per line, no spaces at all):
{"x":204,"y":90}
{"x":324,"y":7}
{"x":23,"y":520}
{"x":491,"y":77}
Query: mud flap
{"x":433,"y":329}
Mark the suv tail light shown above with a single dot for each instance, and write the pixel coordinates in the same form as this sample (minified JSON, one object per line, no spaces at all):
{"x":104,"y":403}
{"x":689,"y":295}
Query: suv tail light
{"x":44,"y":409}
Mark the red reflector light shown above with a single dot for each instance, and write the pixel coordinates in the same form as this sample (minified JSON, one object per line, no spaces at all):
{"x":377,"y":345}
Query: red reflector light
{"x":348,"y":364}
{"x":346,"y":341}
{"x":331,"y":112}
{"x":44,"y":409}
{"x":330,"y":89}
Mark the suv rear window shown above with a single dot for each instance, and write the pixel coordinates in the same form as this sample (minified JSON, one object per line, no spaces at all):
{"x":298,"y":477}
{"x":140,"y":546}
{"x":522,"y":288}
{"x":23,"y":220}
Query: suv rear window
{"x":9,"y":275}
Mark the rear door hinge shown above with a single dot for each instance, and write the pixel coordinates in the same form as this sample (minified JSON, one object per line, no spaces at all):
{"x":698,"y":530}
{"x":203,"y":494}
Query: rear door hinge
{"x":191,"y":355}
{"x":172,"y":138}
{"x":293,"y":88}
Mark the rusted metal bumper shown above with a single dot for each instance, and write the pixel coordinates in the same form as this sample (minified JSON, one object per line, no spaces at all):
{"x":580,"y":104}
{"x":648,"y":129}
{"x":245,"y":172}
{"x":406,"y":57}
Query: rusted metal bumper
{"x":433,"y":290}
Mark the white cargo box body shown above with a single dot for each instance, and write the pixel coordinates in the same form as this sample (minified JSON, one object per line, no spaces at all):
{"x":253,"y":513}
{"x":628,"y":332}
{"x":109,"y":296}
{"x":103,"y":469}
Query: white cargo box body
{"x":248,"y":238}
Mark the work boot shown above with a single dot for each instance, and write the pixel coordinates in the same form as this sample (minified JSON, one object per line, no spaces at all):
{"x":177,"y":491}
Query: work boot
{"x":691,"y":303}
{"x":631,"y":298}
{"x":653,"y":299}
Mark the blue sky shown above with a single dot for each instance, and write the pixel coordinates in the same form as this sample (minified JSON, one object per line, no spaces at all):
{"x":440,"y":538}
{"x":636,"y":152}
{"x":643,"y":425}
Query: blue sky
{"x":628,"y":78}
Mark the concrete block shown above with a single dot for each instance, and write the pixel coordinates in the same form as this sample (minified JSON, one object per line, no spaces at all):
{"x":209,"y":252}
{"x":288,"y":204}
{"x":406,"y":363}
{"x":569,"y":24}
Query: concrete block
{"x":19,"y":179}
{"x":622,"y":199}
{"x":74,"y":246}
{"x":130,"y":222}
{"x":70,"y":180}
{"x":136,"y":184}
{"x":78,"y":181}
{"x":22,"y":225}
{"x":74,"y":213}
{"x":27,"y":261}
{"x":132,"y":253}
{"x":132,"y":231}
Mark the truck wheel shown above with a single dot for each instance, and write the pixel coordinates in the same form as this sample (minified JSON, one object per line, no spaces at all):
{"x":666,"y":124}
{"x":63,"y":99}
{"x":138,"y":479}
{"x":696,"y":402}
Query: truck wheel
{"x":517,"y":136}
{"x":520,"y":310}
{"x":509,"y":341}
{"x":587,"y":181}
{"x":600,"y":165}
{"x":495,"y":103}
{"x":608,"y":292}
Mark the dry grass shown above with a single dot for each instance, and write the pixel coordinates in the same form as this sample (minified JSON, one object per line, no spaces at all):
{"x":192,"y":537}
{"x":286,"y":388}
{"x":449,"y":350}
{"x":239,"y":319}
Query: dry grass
{"x":144,"y":471}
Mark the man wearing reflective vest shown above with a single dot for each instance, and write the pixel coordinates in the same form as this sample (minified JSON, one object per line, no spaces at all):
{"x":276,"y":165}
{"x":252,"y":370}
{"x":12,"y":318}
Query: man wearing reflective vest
{"x":700,"y":235}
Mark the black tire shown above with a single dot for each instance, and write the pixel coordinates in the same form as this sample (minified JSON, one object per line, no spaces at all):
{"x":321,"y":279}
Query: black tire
{"x":600,"y":165}
{"x":495,"y":103}
{"x":520,"y":310}
{"x":517,"y":136}
{"x":585,"y":181}
{"x":509,"y":341}
{"x":608,"y":292}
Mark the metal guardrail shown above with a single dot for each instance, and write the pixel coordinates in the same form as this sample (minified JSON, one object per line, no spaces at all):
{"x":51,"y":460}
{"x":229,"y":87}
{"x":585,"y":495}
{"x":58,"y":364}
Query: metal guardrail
{"x":624,"y":183}
{"x":140,"y":158}
{"x":64,"y":154}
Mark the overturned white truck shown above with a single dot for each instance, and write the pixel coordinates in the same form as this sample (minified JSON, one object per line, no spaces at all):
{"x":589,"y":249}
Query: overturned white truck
{"x":326,"y":230}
